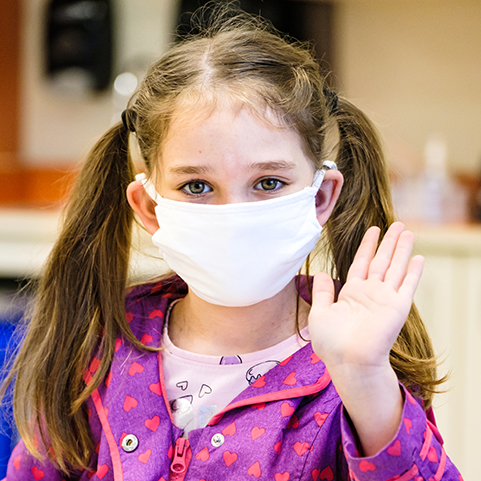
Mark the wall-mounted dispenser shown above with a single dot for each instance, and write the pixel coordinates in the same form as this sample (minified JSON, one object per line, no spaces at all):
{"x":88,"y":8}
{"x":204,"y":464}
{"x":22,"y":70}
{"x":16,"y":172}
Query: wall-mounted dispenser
{"x":79,"y":44}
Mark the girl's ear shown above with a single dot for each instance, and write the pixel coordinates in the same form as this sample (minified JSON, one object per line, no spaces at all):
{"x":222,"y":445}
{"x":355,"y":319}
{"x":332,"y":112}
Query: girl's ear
{"x":328,"y":194}
{"x":143,"y":206}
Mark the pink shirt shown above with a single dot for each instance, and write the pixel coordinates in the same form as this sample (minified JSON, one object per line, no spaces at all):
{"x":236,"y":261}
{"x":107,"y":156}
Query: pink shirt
{"x":198,"y":386}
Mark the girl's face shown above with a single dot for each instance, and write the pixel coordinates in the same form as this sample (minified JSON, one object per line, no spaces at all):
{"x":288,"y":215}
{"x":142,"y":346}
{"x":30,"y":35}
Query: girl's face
{"x":231,"y":157}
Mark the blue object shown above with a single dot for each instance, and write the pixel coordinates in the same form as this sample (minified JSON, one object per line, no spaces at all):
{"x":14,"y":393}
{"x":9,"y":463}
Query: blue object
{"x":8,"y":432}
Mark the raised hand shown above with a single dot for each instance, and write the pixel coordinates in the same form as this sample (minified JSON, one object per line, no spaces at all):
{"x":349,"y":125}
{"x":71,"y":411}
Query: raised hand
{"x":354,"y":335}
{"x":361,"y":327}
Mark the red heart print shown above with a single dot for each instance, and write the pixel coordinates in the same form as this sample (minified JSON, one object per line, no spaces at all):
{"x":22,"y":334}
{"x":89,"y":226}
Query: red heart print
{"x":293,"y":422}
{"x":144,"y":457}
{"x":287,"y":409}
{"x":136,"y":368}
{"x":156,"y":313}
{"x":260,"y":382}
{"x":153,"y":423}
{"x":410,"y":398}
{"x":52,"y":453}
{"x":432,"y":455}
{"x":315,"y":474}
{"x":320,"y":418}
{"x":203,"y":455}
{"x":314,"y":358}
{"x":282,"y":477}
{"x":290,"y":380}
{"x":156,"y":388}
{"x":365,"y":466}
{"x":255,"y":470}
{"x":260,"y":406}
{"x":129,"y":317}
{"x":37,"y":473}
{"x":257,"y":432}
{"x":17,"y":462}
{"x":91,"y":474}
{"x":130,"y":403}
{"x":408,"y":423}
{"x":229,"y":458}
{"x":326,"y":473}
{"x":108,"y":380}
{"x":97,"y":448}
{"x":170,"y":451}
{"x":301,"y":448}
{"x":94,"y":365}
{"x":277,"y":447}
{"x":102,"y":470}
{"x":146,"y":338}
{"x":285,"y":361}
{"x":229,"y":430}
{"x":118,"y":343}
{"x":157,"y":287}
{"x":395,"y":449}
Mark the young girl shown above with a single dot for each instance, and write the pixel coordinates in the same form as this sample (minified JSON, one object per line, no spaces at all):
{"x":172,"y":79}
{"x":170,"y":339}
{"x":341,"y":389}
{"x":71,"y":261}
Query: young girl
{"x":234,"y":367}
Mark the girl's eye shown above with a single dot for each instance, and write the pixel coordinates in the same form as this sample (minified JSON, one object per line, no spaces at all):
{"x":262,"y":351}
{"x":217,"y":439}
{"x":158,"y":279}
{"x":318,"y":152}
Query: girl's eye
{"x":269,"y":184}
{"x":196,"y":187}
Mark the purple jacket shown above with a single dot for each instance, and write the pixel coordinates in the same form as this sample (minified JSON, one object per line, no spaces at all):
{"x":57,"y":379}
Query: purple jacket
{"x":288,"y":425}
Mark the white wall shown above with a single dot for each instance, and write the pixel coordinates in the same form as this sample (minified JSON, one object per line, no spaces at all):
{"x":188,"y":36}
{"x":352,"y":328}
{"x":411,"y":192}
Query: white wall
{"x":415,"y":67}
{"x":59,"y":129}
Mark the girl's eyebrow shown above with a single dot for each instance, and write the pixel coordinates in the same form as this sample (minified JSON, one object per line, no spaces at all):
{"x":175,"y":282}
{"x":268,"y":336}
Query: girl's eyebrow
{"x":207,"y":169}
{"x":273,"y":165}
{"x":190,"y":169}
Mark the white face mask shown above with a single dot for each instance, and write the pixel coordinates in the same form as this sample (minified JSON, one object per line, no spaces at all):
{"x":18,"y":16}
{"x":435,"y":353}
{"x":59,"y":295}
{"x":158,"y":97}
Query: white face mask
{"x":238,"y":254}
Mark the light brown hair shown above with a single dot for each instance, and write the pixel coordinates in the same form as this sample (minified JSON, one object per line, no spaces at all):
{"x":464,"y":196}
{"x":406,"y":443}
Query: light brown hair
{"x":79,"y":308}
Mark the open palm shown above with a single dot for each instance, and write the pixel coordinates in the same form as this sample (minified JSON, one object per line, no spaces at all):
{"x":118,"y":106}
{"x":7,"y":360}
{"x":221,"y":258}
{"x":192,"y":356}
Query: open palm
{"x":361,"y":327}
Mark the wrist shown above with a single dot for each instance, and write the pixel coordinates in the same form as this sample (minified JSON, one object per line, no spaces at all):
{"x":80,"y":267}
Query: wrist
{"x":372,"y":397}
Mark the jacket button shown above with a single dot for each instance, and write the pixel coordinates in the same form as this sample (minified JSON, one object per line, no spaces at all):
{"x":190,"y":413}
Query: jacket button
{"x":217,"y":440}
{"x":130,"y":443}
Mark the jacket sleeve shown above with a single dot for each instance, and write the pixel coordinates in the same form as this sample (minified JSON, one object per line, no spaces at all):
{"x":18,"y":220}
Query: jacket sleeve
{"x":22,"y":466}
{"x":416,"y":452}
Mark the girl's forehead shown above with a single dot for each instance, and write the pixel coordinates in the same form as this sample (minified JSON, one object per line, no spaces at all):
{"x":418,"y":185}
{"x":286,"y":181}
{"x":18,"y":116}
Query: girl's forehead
{"x":227,"y":128}
{"x":195,"y":107}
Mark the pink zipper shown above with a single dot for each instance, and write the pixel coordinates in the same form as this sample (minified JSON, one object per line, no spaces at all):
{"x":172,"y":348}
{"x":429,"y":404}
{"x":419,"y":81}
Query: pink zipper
{"x":180,"y":460}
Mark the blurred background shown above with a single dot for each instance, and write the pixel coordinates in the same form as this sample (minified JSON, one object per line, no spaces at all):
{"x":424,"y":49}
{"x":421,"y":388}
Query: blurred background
{"x":68,"y":68}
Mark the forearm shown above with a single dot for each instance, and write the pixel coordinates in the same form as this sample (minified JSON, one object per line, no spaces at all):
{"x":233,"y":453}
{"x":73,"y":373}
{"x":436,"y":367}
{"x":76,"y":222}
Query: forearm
{"x":373,"y":399}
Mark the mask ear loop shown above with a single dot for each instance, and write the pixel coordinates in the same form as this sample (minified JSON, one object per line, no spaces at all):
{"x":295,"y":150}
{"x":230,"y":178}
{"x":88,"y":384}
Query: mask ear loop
{"x":149,"y":187}
{"x":319,"y":175}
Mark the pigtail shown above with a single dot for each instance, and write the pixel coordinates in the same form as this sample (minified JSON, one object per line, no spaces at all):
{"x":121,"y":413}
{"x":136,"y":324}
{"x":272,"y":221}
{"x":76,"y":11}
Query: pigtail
{"x":79,"y":308}
{"x":365,"y":200}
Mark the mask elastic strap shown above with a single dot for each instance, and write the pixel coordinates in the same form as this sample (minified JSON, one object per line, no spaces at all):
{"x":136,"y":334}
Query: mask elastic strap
{"x":319,"y":175}
{"x":149,"y":187}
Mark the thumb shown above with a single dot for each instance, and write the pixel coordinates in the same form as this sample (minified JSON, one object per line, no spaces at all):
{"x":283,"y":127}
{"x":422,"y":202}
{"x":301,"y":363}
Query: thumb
{"x":322,"y":290}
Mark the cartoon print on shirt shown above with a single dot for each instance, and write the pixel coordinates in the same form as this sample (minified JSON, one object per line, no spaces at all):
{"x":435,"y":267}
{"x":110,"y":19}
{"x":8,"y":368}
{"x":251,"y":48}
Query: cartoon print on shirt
{"x":224,"y":360}
{"x":204,"y":389}
{"x":182,"y":385}
{"x":183,"y":412}
{"x":181,"y":404}
{"x":259,"y":370}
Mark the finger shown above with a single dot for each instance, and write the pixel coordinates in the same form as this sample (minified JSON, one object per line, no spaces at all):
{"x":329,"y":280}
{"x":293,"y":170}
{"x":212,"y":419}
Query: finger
{"x":360,"y":265}
{"x":400,"y":261}
{"x":322,"y":290}
{"x":411,"y":281}
{"x":382,"y":259}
